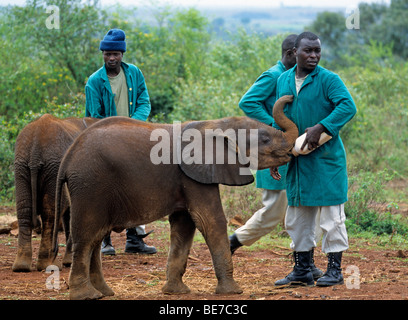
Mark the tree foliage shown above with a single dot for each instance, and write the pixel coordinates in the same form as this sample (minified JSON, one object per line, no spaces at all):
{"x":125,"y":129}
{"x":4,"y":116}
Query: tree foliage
{"x":381,"y":27}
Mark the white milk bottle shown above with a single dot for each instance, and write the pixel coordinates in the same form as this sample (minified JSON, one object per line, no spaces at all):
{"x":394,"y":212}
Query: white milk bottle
{"x":296,"y":151}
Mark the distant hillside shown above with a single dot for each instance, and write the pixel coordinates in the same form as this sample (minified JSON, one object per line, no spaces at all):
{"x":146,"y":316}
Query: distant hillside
{"x":227,"y":20}
{"x":268,"y":21}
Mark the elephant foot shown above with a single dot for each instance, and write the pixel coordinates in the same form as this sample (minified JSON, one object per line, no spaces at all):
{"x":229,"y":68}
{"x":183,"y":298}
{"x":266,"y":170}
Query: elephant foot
{"x":87,"y":292}
{"x":42,"y":264}
{"x":22,"y":264}
{"x":104,"y":289}
{"x":228,"y":287}
{"x":175,"y":288}
{"x":67,"y":260}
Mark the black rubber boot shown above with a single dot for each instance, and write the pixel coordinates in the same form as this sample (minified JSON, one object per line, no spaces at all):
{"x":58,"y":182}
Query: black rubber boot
{"x":317,"y":273}
{"x":234,"y":243}
{"x":333,"y":274}
{"x":107,"y":247}
{"x":301,"y":274}
{"x":135,"y":243}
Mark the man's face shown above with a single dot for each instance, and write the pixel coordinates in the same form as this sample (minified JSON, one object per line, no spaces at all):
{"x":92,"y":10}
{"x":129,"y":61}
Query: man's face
{"x":308,"y":54}
{"x":112,"y":59}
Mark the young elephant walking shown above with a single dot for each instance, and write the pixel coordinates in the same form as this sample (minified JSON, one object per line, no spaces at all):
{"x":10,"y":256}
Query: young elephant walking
{"x":115,"y":182}
{"x":39,"y":149}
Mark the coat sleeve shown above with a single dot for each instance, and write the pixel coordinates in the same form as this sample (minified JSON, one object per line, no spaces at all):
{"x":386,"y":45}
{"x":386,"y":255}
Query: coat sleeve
{"x":344,"y":106}
{"x":252,"y":103}
{"x":143,"y":107}
{"x":93,"y":101}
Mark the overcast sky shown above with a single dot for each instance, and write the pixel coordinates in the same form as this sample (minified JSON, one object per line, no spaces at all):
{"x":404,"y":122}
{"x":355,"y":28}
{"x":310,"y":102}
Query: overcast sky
{"x":234,"y":3}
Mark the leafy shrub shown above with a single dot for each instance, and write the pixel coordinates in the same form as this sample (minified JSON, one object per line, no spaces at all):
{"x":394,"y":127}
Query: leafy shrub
{"x":10,"y":128}
{"x":366,"y":195}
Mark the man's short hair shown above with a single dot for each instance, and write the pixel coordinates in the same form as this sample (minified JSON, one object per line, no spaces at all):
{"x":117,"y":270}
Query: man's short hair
{"x":305,"y":35}
{"x":288,"y":43}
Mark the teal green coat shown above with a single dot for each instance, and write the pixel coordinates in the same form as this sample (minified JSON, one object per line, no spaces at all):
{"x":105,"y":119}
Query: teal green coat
{"x":257,"y":104}
{"x":100,"y":101}
{"x":319,"y":178}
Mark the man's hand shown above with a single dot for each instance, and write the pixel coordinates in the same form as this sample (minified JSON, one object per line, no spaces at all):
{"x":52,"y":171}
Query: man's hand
{"x":275,"y":173}
{"x":313,"y":136}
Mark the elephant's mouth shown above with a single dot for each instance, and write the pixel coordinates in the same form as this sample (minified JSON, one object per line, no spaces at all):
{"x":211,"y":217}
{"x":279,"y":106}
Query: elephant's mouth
{"x":283,"y":159}
{"x":288,"y":156}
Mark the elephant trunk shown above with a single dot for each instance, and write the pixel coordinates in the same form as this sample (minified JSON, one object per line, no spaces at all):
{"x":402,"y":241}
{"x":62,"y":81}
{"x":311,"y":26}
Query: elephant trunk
{"x":290,"y":128}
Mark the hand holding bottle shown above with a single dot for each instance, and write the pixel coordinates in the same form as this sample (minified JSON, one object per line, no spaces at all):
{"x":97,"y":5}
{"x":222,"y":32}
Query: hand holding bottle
{"x":313,"y":138}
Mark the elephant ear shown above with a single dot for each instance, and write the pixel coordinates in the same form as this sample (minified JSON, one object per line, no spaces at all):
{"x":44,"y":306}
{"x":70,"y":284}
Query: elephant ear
{"x":211,"y":155}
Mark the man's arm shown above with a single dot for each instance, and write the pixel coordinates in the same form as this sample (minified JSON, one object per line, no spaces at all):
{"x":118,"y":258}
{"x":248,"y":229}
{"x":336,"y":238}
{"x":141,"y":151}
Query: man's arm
{"x":344,"y":106}
{"x":93,"y":106}
{"x":143,"y":106}
{"x":252,"y":102}
{"x":344,"y":110}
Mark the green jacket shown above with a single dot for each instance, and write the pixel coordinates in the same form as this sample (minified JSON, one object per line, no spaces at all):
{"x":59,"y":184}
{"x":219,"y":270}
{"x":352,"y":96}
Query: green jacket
{"x":257,"y":103}
{"x":100,"y":101}
{"x":319,"y":178}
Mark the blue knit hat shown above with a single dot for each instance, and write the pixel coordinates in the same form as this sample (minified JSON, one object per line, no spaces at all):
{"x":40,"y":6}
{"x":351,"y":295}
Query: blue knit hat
{"x":114,"y":40}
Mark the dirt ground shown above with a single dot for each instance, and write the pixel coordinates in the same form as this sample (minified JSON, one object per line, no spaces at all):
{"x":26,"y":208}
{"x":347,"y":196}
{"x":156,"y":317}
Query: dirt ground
{"x":370,"y":273}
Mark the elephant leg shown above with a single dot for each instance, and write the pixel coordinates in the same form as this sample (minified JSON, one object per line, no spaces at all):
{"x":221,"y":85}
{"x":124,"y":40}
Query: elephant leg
{"x":96,"y":274}
{"x":67,"y":260}
{"x":182,"y":229}
{"x":218,"y":243}
{"x":211,"y":222}
{"x":22,"y":262}
{"x":80,"y":286}
{"x":45,"y":255}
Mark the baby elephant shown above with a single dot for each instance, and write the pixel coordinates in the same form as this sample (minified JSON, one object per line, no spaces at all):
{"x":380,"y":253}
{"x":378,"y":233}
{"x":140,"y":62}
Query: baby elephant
{"x":39,"y":149}
{"x":121,"y":173}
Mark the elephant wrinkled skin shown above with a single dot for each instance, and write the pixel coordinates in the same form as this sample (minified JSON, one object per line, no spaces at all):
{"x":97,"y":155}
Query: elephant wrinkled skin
{"x":114,"y":185}
{"x":39,"y":149}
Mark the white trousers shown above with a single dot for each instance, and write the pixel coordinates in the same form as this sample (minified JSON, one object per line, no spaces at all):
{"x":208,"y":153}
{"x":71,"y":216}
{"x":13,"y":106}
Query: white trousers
{"x":140,"y":230}
{"x":265,"y":219}
{"x":301,"y":223}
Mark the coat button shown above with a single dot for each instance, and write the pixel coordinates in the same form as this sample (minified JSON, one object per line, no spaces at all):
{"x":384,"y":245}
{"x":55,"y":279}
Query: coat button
{"x":130,"y":89}
{"x":131,"y":103}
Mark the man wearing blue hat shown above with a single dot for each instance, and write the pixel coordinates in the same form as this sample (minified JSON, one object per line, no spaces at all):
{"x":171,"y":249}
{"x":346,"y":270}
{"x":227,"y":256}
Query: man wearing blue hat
{"x":119,"y":89}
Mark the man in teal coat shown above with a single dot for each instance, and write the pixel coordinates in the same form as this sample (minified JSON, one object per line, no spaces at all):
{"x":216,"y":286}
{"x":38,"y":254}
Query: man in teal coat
{"x":119,"y":89}
{"x":100,"y":100}
{"x":257,"y":103}
{"x":316,"y":183}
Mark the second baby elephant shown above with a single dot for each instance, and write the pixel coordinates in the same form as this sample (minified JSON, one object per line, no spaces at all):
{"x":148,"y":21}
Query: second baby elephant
{"x":116,"y":181}
{"x":39,"y":149}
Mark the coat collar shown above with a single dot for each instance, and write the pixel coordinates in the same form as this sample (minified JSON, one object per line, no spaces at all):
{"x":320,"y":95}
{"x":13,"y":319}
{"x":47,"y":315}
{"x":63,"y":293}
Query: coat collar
{"x":104,"y":75}
{"x":281,"y":65}
{"x":309,"y":78}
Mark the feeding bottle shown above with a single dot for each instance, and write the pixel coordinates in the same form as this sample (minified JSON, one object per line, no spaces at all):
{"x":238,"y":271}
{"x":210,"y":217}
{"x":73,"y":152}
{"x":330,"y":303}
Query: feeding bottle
{"x":296,"y":151}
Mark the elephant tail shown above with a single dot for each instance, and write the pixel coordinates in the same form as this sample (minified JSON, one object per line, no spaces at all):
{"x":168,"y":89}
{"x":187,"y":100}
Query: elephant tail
{"x":58,"y":198}
{"x":34,"y":196}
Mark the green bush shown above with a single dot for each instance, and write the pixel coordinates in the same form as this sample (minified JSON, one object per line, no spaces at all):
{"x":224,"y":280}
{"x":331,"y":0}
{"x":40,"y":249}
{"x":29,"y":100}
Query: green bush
{"x":10,"y":128}
{"x":366,"y":198}
{"x":379,"y":131}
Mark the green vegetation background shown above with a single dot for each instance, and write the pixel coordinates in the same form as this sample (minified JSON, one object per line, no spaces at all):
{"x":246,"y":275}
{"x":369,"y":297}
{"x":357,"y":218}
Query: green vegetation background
{"x":196,"y":69}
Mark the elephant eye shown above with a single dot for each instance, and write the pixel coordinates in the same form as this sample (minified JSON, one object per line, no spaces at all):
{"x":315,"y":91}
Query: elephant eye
{"x":264,"y":137}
